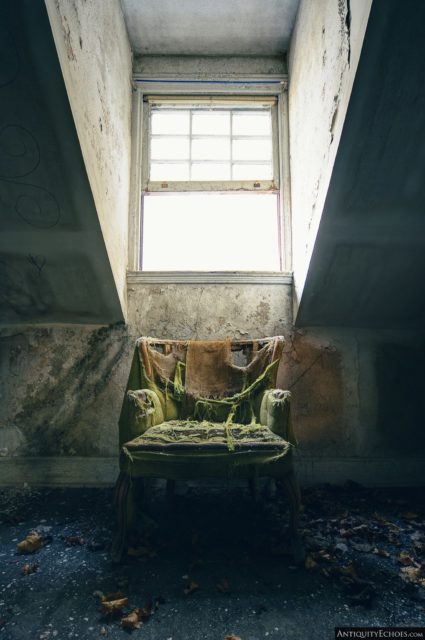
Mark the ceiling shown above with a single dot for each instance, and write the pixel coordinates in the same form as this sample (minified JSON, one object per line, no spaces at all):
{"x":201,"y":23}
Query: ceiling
{"x":210,"y":27}
{"x":368,"y":264}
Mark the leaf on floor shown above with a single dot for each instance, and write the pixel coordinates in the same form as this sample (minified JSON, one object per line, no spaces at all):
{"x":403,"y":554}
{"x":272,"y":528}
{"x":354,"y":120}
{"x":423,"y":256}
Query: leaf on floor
{"x":33,"y":542}
{"x":146,"y":611}
{"x":348,"y":571}
{"x":411,"y":574}
{"x":132,"y":620}
{"x":310,"y":563}
{"x":223,"y":586}
{"x":28,"y":569}
{"x":113,"y":603}
{"x":74,"y":541}
{"x":191,"y":588}
{"x":405,"y":559}
{"x":232,"y":637}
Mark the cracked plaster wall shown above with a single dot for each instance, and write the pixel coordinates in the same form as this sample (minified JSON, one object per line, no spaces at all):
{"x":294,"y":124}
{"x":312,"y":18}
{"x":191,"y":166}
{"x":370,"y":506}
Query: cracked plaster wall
{"x":325,"y":50}
{"x":98,"y":80}
{"x":61,"y":388}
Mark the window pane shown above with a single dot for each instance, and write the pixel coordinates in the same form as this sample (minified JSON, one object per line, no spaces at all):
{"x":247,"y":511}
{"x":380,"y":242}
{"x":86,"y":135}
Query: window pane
{"x":170,"y":148}
{"x":211,"y":171}
{"x":210,"y":232}
{"x":252,"y":171}
{"x":170,"y":122}
{"x":169,"y":171}
{"x":211,"y":123}
{"x":251,"y":124}
{"x":252,"y":149}
{"x":211,"y":149}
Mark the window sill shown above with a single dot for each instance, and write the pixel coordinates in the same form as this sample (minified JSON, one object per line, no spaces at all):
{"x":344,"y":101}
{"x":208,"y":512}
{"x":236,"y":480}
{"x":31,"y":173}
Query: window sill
{"x":209,"y":277}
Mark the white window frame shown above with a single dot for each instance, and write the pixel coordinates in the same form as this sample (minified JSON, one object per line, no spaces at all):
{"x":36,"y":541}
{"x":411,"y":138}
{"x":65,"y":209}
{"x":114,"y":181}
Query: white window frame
{"x":175,"y":90}
{"x":210,"y":185}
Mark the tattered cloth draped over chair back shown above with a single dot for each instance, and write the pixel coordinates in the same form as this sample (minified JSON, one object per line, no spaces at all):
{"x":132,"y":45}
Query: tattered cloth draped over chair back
{"x":208,"y":368}
{"x":202,"y":377}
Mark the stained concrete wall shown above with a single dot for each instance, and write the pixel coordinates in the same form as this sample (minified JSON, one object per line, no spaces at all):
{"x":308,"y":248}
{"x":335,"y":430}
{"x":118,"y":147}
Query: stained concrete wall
{"x":357,"y":404}
{"x":325,"y":50}
{"x":95,"y":57}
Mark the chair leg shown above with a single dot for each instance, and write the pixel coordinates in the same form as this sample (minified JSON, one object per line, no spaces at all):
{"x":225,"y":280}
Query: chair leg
{"x":288,"y":484}
{"x":122,"y":499}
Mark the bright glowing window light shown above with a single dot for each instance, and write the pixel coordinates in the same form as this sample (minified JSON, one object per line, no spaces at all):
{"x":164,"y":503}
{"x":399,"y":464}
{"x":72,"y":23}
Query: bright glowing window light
{"x":210,"y":232}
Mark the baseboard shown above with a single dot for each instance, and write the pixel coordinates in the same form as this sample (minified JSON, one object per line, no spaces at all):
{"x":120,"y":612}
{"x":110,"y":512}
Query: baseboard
{"x":58,"y":472}
{"x":101,"y":472}
{"x":368,"y":471}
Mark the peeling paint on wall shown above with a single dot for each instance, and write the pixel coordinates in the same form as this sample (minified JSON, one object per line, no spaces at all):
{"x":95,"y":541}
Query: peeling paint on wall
{"x":325,"y":50}
{"x":98,"y":79}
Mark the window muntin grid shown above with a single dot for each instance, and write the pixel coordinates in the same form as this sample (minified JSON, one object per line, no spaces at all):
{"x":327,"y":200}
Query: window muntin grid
{"x":211,"y":144}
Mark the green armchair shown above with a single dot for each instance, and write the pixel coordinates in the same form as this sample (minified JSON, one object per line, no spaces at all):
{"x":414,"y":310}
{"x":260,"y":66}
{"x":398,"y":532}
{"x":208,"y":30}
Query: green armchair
{"x":204,"y":409}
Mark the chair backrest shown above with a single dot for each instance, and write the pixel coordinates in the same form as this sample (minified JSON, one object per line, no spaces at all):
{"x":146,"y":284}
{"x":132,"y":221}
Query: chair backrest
{"x":205,"y":380}
{"x":209,"y":369}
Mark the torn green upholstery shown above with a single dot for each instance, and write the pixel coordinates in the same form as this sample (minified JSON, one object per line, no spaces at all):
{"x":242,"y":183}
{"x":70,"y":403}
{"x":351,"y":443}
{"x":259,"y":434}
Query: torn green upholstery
{"x":168,"y":429}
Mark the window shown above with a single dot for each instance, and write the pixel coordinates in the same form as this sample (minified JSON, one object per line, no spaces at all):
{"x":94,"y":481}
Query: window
{"x":210,"y":185}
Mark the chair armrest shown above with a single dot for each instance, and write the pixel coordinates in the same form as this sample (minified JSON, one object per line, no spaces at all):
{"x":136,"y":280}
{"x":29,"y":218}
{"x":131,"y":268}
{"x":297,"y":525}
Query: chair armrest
{"x":142,"y":409}
{"x":275,"y":413}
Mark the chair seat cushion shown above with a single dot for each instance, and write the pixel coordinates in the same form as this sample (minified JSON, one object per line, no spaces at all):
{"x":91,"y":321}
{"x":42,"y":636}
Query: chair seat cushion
{"x":186,"y":436}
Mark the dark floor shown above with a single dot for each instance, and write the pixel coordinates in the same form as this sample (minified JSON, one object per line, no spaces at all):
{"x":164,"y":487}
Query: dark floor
{"x":363,"y":567}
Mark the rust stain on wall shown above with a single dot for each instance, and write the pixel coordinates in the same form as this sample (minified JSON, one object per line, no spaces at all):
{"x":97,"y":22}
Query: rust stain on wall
{"x":313,"y":374}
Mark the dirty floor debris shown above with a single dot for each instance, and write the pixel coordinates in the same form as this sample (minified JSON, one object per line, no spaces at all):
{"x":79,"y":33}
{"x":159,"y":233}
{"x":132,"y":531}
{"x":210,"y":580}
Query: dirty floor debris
{"x":211,"y":565}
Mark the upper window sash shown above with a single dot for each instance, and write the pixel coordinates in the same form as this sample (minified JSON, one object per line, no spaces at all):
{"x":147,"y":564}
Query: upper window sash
{"x":192,"y":107}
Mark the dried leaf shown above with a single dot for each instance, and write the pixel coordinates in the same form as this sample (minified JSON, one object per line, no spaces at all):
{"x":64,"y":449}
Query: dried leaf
{"x":146,"y":611}
{"x":115,"y":595}
{"x":232,"y":638}
{"x":32,"y":542}
{"x":405,"y":559}
{"x":309,"y":563}
{"x":410,"y":574}
{"x":223,"y":586}
{"x":132,"y":620}
{"x":73,"y":541}
{"x":113,"y":603}
{"x":349,"y":571}
{"x":191,"y":588}
{"x":113,"y":607}
{"x":27,"y":569}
